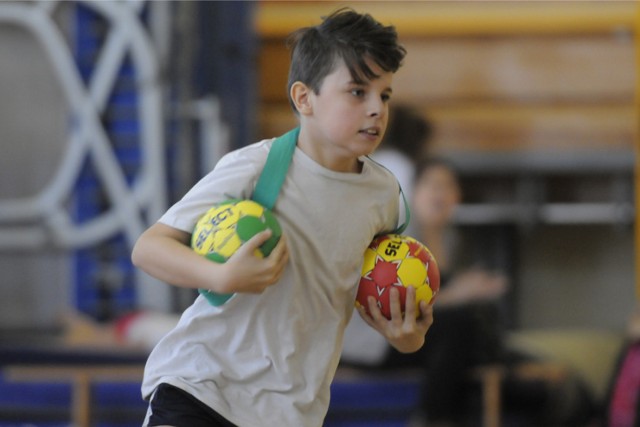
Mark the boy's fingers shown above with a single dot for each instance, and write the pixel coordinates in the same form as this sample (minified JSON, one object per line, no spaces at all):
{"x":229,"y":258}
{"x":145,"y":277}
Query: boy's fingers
{"x":426,"y":314}
{"x":279,"y":256}
{"x":365,"y":316}
{"x":281,"y":250}
{"x":374,"y":310}
{"x":394,"y":304}
{"x":410,"y":304}
{"x":255,"y":242}
{"x":281,"y":264}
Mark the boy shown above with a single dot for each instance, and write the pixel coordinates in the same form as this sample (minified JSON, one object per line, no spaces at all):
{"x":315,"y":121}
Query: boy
{"x":268,"y":355}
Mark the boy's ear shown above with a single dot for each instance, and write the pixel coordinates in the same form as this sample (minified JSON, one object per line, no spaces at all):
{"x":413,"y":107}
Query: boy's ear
{"x":301,"y":96}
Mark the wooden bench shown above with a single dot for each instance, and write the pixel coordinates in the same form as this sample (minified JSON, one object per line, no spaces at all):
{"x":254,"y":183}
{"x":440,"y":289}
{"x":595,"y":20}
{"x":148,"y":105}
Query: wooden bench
{"x":398,"y":390}
{"x":394,"y":393}
{"x":491,"y":378}
{"x":81,"y":379}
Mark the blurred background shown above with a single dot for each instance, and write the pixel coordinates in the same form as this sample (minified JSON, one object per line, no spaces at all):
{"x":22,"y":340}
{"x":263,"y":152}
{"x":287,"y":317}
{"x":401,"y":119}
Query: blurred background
{"x":111,"y":110}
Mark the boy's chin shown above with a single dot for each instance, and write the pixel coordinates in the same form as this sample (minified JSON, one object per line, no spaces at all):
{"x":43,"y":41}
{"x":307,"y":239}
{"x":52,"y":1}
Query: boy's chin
{"x":367,"y":149}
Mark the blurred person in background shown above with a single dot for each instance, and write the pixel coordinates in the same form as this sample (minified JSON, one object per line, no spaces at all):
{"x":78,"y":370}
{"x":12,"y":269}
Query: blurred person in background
{"x":470,"y":326}
{"x":467,"y":329}
{"x":623,"y":405}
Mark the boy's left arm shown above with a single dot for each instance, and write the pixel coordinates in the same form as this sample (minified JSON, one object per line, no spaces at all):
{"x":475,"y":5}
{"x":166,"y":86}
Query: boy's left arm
{"x":406,"y":334}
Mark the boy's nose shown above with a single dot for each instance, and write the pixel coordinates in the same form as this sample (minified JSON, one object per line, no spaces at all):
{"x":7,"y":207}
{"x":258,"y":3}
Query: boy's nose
{"x":375,"y":107}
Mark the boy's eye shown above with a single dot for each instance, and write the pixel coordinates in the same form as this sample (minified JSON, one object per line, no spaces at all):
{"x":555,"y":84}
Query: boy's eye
{"x":357,"y":92}
{"x":385,"y":97}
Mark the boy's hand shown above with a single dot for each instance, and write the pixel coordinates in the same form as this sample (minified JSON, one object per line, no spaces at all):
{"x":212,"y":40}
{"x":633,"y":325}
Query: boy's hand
{"x":245,"y":272}
{"x":405,"y":334}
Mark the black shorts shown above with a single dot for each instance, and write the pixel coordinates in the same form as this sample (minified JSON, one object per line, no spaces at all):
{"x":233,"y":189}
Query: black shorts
{"x":171,"y":406}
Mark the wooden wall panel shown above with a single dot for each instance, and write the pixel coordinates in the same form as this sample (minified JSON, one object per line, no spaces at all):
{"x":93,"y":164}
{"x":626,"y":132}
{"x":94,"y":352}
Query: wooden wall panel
{"x":506,"y":128}
{"x":499,"y":90}
{"x":548,"y":69}
{"x":276,"y":19}
{"x":523,"y":69}
{"x":273,"y":63}
{"x":502,"y":128}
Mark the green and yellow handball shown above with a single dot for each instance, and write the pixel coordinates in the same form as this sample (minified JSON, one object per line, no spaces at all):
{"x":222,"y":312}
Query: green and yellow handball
{"x":225,"y":227}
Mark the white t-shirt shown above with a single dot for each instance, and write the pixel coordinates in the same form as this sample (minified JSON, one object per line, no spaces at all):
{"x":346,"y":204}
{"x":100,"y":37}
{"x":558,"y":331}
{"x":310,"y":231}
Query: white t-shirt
{"x":268,"y":359}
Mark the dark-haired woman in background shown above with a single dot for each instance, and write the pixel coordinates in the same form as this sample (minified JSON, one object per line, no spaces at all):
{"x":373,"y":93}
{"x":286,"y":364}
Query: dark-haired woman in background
{"x":467,"y":329}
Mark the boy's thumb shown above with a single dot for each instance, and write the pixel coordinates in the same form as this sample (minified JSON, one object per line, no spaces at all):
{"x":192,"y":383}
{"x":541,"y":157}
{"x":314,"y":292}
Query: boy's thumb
{"x":256,"y":241}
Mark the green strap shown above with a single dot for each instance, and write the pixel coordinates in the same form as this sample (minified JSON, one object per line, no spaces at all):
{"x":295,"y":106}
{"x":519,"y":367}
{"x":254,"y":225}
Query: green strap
{"x":275,"y":169}
{"x":407,"y":214}
{"x":267,"y":188}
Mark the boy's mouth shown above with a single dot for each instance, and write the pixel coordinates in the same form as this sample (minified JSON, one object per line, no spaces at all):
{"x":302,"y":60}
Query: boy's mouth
{"x":372,"y":131}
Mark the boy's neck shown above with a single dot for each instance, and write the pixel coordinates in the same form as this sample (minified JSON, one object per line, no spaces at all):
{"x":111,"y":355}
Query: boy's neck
{"x":326,"y":157}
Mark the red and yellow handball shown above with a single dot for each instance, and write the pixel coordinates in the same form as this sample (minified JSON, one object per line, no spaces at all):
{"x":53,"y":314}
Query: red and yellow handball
{"x":394,"y":260}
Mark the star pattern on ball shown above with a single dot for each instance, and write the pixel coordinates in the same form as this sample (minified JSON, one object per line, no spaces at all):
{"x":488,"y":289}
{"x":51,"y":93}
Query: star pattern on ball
{"x":385,"y":273}
{"x":396,"y":261}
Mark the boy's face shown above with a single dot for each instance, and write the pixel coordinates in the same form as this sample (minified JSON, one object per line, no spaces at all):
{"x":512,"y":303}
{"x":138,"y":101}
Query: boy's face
{"x":348,"y":119}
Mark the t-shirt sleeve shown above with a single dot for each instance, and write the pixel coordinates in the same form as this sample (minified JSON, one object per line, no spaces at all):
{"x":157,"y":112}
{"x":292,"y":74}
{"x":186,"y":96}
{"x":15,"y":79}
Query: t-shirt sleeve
{"x":234,"y":177}
{"x":393,"y":209}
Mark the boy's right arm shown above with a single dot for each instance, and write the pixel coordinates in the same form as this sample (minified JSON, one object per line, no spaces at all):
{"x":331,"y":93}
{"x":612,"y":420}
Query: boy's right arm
{"x":164,"y":252}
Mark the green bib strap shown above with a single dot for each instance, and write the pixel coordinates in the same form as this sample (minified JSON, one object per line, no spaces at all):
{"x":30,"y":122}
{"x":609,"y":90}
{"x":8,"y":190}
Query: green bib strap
{"x":275,"y":169}
{"x":407,"y":214}
{"x":267,"y":188}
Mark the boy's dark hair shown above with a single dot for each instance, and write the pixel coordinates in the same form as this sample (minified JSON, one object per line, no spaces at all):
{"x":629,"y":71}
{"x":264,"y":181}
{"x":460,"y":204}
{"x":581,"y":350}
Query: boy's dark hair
{"x":344,"y":35}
